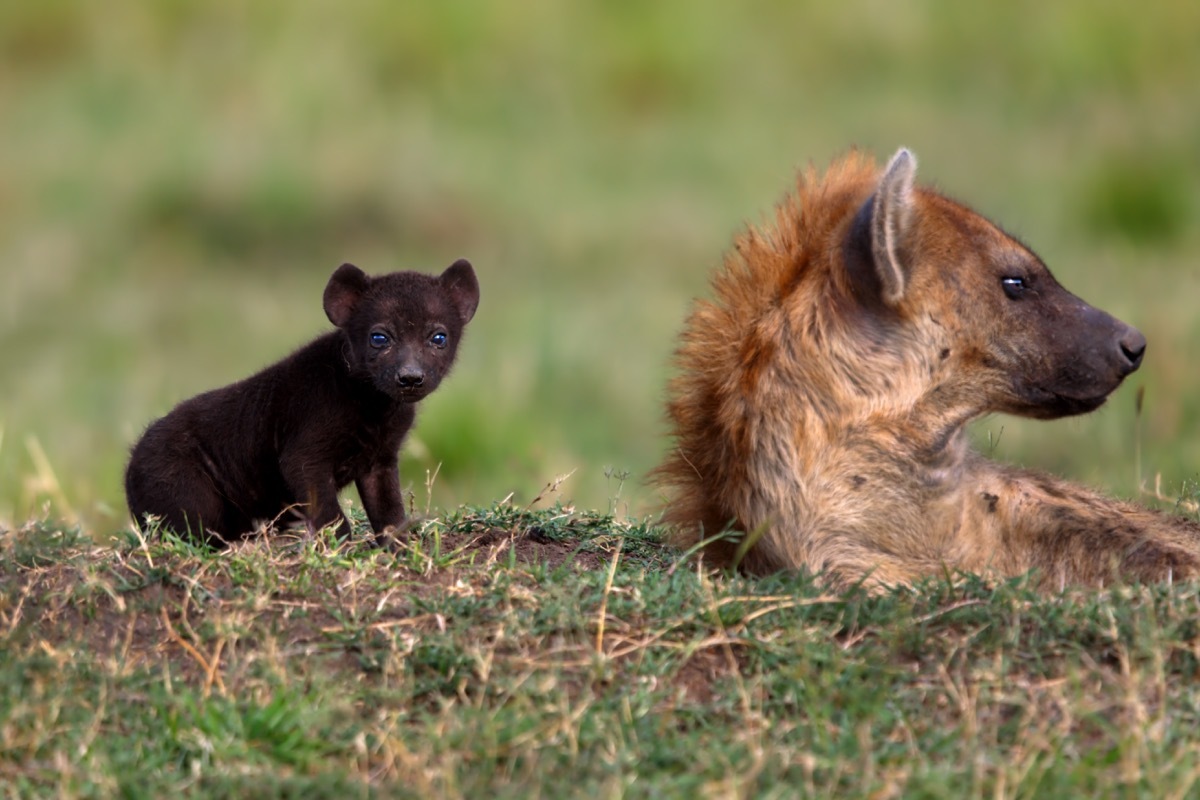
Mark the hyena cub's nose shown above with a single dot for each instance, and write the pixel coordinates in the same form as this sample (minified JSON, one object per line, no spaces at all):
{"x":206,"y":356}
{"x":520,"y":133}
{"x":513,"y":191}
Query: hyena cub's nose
{"x":1133,"y":346}
{"x":410,"y":378}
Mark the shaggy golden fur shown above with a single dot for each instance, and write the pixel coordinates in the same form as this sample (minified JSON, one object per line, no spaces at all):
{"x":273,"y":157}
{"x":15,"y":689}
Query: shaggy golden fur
{"x":823,"y":395}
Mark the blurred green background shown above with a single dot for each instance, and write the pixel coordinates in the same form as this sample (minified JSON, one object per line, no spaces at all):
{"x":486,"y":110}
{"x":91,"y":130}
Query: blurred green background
{"x":179,"y":178}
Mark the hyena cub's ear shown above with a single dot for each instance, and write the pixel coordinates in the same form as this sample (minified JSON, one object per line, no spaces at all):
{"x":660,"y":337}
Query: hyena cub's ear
{"x":460,"y":283}
{"x":342,"y":293}
{"x":891,"y":213}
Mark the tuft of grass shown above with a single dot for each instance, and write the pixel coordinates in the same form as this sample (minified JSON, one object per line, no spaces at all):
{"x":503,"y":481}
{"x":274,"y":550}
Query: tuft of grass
{"x":508,"y":651}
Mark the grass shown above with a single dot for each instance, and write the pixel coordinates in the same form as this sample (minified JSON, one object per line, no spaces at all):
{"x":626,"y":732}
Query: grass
{"x":509,"y":652}
{"x":178,"y":180}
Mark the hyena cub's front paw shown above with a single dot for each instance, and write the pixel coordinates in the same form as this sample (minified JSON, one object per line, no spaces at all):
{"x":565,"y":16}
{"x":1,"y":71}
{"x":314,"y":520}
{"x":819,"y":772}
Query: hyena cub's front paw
{"x":395,"y":538}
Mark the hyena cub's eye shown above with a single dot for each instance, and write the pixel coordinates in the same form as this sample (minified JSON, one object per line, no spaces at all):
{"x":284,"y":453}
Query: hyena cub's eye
{"x":438,"y":339}
{"x":379,"y":339}
{"x":1014,"y":287}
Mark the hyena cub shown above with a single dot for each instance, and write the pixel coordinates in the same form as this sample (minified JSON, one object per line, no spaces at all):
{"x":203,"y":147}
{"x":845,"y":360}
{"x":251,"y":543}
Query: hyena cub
{"x":335,"y":411}
{"x":824,"y":394}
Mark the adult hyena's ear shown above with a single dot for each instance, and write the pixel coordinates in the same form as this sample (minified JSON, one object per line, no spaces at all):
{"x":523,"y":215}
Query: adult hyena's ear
{"x":342,"y":293}
{"x":460,"y":283}
{"x":891,"y":213}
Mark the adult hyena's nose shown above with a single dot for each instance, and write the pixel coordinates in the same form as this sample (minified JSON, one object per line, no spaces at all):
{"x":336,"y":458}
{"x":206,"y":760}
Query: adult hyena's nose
{"x":1133,"y":347}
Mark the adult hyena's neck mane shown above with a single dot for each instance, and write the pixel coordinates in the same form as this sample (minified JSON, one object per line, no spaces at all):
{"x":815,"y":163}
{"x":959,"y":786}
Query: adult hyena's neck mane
{"x":797,"y":310}
{"x":794,"y":251}
{"x":785,"y":363}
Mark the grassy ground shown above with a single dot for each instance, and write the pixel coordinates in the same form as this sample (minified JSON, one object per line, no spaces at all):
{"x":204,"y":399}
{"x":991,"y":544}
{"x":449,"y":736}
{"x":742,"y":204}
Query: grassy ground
{"x":178,"y":180}
{"x":505,"y":652}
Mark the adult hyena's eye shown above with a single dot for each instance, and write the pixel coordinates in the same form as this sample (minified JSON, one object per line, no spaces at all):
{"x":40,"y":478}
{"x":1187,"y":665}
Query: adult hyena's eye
{"x":379,"y":339}
{"x":1014,"y":287}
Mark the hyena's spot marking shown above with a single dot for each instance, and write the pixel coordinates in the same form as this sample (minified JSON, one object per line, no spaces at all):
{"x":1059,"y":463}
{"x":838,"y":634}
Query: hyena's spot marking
{"x":858,"y":481}
{"x":991,"y":501}
{"x":1063,"y":514}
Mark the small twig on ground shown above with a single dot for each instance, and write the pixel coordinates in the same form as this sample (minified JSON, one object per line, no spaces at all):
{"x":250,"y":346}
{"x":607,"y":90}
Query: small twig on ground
{"x":210,"y":668}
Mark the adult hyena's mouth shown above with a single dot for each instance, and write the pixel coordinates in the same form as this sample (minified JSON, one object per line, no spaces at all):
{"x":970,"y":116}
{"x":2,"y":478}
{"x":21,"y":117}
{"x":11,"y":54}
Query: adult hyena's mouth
{"x":1039,"y":402}
{"x":1071,"y":406}
{"x":1064,"y":405}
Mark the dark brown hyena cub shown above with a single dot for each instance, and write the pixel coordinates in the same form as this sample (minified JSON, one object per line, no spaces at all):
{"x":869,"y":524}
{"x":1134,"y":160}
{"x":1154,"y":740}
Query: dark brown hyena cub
{"x":335,"y":411}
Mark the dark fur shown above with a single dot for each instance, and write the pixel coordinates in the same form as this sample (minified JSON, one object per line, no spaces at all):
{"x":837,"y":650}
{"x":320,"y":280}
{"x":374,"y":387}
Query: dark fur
{"x":288,"y":438}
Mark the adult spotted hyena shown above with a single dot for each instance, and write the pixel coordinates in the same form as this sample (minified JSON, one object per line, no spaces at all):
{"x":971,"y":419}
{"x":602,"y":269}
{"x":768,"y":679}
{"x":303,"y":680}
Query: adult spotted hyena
{"x":823,"y":396}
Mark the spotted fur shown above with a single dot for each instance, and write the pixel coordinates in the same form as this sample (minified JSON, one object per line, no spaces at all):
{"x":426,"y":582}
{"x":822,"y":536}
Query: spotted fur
{"x":823,"y":394}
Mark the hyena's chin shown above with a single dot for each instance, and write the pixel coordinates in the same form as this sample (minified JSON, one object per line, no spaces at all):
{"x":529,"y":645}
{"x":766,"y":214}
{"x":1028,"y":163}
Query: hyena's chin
{"x":406,"y":395}
{"x":1078,"y":388}
{"x":1046,"y":404}
{"x":1071,"y":406}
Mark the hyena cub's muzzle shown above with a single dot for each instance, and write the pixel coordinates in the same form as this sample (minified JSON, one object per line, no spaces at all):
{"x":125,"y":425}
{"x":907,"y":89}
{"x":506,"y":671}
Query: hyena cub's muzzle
{"x":407,"y":378}
{"x":410,"y":383}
